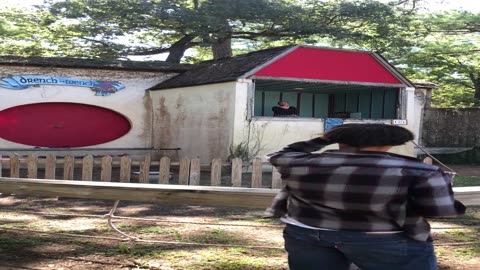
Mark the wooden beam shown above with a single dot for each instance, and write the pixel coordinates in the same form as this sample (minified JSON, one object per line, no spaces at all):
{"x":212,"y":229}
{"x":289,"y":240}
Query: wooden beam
{"x":196,"y":195}
{"x":180,"y":194}
{"x":467,"y":195}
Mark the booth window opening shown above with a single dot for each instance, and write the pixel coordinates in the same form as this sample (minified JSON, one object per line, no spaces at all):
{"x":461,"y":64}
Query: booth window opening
{"x":314,"y":100}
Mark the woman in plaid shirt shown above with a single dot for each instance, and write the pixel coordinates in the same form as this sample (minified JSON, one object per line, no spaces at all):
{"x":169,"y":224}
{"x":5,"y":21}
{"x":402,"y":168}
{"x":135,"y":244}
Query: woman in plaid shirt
{"x":359,"y":204}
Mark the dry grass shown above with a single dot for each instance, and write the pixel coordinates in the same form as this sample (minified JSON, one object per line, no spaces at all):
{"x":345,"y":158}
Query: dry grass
{"x":66,"y":222}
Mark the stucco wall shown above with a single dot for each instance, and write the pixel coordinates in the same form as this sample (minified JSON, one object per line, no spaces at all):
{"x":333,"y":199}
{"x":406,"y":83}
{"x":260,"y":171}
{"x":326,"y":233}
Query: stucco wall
{"x":445,"y":127}
{"x":133,"y":101}
{"x":197,"y":119}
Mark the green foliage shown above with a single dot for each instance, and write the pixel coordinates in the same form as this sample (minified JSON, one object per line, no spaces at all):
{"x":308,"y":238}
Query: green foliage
{"x":449,"y":57}
{"x":137,"y":27}
{"x":441,"y":48}
{"x":467,"y":181}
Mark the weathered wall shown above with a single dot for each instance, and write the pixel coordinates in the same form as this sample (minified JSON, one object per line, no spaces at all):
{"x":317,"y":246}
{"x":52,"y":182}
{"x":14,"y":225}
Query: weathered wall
{"x":132,"y":102}
{"x":198,"y":119}
{"x":445,"y":127}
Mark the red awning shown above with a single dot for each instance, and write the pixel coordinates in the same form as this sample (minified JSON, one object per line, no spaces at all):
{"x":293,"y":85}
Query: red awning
{"x":329,"y":65}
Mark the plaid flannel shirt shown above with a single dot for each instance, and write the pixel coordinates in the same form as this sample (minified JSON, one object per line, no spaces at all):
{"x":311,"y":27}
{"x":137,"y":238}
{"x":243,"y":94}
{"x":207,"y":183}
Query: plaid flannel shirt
{"x":361,"y":191}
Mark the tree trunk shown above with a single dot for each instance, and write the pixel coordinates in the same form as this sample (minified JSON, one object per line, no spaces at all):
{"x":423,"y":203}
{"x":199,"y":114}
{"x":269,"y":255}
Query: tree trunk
{"x":476,"y":84}
{"x":177,"y":50}
{"x":222,"y":48}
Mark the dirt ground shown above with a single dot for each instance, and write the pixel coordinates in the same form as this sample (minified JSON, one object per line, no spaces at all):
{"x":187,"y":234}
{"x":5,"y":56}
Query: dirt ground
{"x":51,"y":233}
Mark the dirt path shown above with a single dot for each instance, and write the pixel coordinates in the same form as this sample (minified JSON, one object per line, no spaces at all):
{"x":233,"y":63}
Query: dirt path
{"x":46,"y":233}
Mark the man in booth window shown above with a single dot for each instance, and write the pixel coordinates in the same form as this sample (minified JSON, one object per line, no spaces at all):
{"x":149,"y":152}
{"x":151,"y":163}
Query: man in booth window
{"x":284,"y":110}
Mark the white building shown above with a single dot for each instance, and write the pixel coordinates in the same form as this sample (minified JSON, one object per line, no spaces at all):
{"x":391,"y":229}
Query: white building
{"x":226,"y":104}
{"x":207,"y":109}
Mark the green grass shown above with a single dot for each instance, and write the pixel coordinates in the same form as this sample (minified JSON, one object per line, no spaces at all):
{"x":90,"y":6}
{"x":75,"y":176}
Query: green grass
{"x":469,"y":250}
{"x":216,"y":236}
{"x":10,"y":242}
{"x":466,"y":181}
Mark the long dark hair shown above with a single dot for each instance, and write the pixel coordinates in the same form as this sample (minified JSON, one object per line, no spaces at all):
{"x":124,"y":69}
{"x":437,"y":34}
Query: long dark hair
{"x":364,"y":135}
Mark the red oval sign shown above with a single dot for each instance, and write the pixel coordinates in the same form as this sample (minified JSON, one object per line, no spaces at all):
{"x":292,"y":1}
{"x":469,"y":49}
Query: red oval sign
{"x":59,"y":124}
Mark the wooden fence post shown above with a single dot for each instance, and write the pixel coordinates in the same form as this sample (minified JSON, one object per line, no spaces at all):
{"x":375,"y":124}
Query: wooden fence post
{"x":164,"y":174}
{"x":184,"y":171}
{"x":257,"y":173}
{"x":236,"y":172}
{"x":32,"y":166}
{"x":106,"y":170}
{"x":276,"y":178}
{"x":14,"y":166}
{"x":68,"y":167}
{"x":125,"y":169}
{"x":87,"y":168}
{"x":216,"y":172}
{"x":145,"y":170}
{"x":50,"y":166}
{"x":194,"y":172}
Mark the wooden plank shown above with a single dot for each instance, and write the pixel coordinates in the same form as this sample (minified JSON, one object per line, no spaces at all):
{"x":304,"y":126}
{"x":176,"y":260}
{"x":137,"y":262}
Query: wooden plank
{"x":276,"y":178}
{"x":194,"y":172}
{"x":50,"y":166}
{"x":14,"y":165}
{"x":164,"y":174}
{"x":125,"y":169}
{"x":340,"y":101}
{"x":257,"y":108}
{"x":32,"y":167}
{"x":236,"y":172}
{"x":201,"y":195}
{"x":68,"y":167}
{"x":216,"y":172}
{"x":377,"y":104}
{"x":364,"y":103}
{"x":390,"y":104}
{"x":257,"y":173}
{"x":321,"y":105}
{"x":467,"y":195}
{"x":184,"y":171}
{"x":106,"y":169}
{"x":145,"y":170}
{"x":87,"y":168}
{"x":351,"y":102}
{"x":180,"y":194}
{"x":306,"y":105}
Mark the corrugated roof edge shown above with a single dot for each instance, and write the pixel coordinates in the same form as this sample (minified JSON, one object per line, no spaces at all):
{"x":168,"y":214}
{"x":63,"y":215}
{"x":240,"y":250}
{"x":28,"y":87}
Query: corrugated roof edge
{"x":70,"y":62}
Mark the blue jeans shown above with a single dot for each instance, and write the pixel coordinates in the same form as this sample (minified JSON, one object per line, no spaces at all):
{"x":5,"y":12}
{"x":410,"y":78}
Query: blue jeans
{"x":335,"y":250}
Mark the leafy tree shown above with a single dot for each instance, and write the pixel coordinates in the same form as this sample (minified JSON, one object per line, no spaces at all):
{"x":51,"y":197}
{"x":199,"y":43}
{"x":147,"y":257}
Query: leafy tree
{"x":449,"y":56}
{"x":114,"y":28}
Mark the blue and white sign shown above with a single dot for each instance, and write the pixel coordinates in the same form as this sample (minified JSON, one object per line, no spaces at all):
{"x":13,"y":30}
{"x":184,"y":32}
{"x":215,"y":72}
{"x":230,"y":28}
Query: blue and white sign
{"x":332,"y":122}
{"x":101,"y":88}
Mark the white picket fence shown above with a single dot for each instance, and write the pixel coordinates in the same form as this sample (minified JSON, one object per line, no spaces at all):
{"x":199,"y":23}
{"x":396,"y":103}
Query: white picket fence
{"x":126,"y":169}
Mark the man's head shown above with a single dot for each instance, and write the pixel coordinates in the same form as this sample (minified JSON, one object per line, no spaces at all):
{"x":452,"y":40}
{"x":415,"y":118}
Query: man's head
{"x":283,"y":104}
{"x":369,"y":136}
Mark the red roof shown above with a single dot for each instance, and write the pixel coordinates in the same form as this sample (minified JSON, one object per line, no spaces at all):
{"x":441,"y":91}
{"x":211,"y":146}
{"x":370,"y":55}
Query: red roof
{"x":329,"y":65}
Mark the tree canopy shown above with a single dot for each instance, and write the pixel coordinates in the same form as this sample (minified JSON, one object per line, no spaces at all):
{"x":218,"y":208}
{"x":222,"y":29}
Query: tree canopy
{"x":113,"y":28}
{"x":437,"y":47}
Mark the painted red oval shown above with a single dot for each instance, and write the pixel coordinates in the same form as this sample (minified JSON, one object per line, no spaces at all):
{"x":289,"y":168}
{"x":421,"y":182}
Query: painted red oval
{"x":60,"y":124}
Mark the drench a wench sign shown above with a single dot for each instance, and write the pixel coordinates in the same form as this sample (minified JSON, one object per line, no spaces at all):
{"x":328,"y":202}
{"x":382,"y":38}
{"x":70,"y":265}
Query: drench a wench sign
{"x":101,"y":88}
